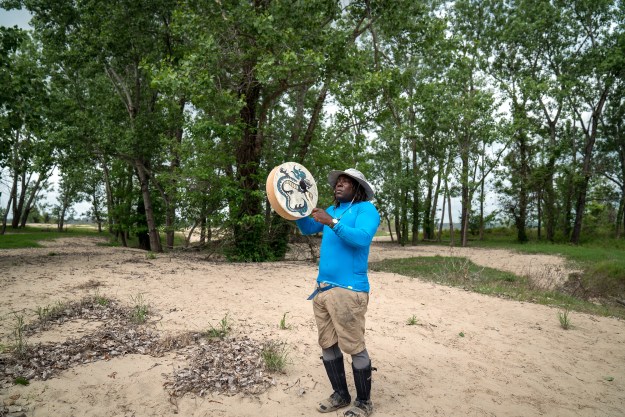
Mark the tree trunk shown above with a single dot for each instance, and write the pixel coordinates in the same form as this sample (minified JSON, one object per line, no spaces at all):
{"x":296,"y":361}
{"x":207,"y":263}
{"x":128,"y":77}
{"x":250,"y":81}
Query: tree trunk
{"x":31,"y":198}
{"x":482,"y":208}
{"x":415,"y":193}
{"x":619,"y":216}
{"x":61,"y":219}
{"x":591,"y":136}
{"x":434,"y":204}
{"x":428,"y":231}
{"x":451,"y":220}
{"x":539,"y":214}
{"x":109,"y":196}
{"x":570,"y":187}
{"x":18,"y":203}
{"x":398,"y":230}
{"x":440,"y":226}
{"x":466,"y":204}
{"x":249,"y":234}
{"x":155,"y":240}
{"x":6,"y":212}
{"x":388,"y":223}
{"x":521,"y":215}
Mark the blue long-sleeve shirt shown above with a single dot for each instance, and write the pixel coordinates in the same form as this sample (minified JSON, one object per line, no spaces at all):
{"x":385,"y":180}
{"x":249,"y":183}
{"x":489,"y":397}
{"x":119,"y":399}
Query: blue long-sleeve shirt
{"x":344,"y":254}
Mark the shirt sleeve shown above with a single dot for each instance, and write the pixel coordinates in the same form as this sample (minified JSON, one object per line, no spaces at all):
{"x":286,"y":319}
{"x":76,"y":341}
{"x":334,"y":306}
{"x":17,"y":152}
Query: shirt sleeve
{"x":308,"y":226}
{"x":361,"y":235}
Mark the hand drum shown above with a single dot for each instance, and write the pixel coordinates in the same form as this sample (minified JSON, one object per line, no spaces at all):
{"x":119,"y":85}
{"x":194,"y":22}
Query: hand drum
{"x":291,"y":190}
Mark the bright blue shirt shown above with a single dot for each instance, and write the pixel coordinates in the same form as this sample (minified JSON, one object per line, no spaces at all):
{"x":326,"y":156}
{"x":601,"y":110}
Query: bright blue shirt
{"x":344,"y":254}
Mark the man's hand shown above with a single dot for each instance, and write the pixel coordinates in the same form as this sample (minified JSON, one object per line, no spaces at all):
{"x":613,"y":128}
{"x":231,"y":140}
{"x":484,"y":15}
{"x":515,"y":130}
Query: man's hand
{"x":321,"y":216}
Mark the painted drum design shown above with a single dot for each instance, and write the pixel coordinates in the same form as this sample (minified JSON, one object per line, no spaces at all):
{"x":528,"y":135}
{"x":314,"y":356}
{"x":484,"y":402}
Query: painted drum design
{"x":291,"y":190}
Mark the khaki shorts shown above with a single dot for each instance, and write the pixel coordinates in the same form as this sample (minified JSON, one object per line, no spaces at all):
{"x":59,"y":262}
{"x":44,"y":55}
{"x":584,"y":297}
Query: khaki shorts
{"x":340,"y":317}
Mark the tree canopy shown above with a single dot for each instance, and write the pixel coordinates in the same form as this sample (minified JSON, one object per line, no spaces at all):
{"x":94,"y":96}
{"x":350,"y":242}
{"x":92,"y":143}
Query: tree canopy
{"x":168,"y":115}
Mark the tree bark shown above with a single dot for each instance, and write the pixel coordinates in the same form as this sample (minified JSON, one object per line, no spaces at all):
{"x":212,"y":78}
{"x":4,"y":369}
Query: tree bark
{"x":10,"y":200}
{"x":590,"y":138}
{"x":451,"y":220}
{"x":33,"y":194}
{"x":466,"y":204}
{"x":155,"y":240}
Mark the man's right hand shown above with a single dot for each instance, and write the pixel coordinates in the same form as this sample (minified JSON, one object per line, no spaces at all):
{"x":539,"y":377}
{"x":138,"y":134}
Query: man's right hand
{"x":321,"y":216}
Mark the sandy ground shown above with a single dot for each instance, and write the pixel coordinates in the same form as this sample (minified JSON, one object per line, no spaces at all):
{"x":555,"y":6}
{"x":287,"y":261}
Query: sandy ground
{"x":512,"y":359}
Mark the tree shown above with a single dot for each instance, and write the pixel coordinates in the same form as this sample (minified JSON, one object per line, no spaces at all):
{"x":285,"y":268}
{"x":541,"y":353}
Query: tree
{"x":26,"y":149}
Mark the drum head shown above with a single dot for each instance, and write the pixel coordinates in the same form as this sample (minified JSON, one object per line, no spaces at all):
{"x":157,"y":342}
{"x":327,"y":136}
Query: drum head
{"x":291,"y":191}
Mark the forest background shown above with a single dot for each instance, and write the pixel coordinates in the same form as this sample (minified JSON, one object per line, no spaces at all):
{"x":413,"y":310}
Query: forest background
{"x":168,"y":115}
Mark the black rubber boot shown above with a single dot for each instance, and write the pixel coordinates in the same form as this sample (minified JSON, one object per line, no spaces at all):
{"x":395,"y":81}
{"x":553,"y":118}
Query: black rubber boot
{"x":362,"y":380}
{"x":336,"y":372}
{"x":340,"y":397}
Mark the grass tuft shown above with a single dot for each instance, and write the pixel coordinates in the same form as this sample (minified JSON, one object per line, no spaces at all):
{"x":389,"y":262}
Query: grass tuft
{"x":19,"y":338}
{"x":412,"y":321}
{"x":221,"y":331}
{"x":20,"y":380}
{"x":283,"y":325}
{"x":275,"y":355}
{"x":100,"y":299}
{"x":140,"y":311}
{"x":565,"y":320}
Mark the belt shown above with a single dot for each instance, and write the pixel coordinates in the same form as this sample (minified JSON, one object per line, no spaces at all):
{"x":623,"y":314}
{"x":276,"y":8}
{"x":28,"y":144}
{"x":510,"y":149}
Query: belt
{"x":320,"y":289}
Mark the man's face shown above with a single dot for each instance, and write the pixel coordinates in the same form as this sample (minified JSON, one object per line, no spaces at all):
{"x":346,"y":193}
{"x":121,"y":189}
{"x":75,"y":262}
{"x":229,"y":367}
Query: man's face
{"x":344,"y":189}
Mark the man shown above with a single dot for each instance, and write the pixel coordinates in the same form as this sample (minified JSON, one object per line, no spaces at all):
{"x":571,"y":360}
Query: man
{"x":342,"y":295}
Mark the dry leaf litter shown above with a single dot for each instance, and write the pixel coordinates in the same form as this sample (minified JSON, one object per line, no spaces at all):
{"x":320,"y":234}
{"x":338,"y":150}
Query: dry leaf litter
{"x":230,"y":366}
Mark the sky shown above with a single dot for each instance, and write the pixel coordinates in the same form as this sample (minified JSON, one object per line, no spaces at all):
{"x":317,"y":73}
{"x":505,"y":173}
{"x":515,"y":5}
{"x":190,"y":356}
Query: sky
{"x":10,"y":18}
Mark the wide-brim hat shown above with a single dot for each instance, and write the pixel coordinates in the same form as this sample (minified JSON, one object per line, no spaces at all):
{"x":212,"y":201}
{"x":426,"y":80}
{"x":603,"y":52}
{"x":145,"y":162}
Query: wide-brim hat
{"x":333,"y":176}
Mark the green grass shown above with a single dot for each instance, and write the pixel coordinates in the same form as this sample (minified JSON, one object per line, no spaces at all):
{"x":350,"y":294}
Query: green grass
{"x":221,"y":331}
{"x":601,"y":259}
{"x":141,"y":310}
{"x":460,"y":272}
{"x":30,"y":236}
{"x":275,"y":355}
{"x":283,"y":325}
{"x":565,"y":320}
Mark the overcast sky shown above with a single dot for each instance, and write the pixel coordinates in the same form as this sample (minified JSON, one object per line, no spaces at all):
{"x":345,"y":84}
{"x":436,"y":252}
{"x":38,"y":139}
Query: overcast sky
{"x":10,"y":18}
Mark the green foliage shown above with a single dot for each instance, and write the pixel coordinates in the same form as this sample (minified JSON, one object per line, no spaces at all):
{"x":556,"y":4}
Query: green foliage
{"x":412,"y":321}
{"x":186,"y":107}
